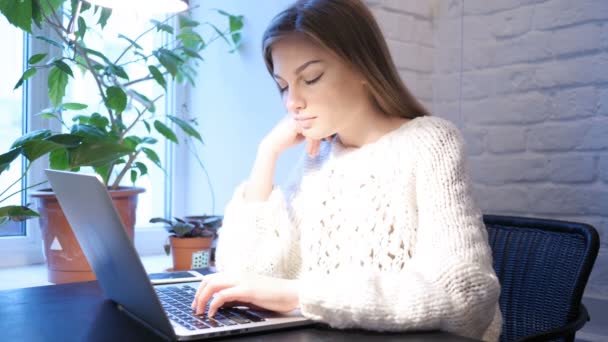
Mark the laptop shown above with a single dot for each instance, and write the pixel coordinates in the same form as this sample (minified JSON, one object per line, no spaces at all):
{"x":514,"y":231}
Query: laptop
{"x":165,"y":309}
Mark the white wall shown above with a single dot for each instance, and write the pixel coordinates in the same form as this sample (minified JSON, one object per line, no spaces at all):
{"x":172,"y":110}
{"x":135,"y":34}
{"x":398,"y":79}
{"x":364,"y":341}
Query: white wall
{"x":237,"y":103}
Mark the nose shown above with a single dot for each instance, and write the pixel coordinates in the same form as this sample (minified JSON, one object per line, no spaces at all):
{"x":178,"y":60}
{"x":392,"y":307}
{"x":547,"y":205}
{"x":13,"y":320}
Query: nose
{"x":294,"y":102}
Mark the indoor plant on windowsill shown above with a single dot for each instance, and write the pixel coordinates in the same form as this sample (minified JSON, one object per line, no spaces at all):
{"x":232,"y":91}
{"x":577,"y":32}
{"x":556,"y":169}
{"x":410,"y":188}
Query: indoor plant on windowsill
{"x":33,"y":146}
{"x":190,"y":240}
{"x":123,"y":106}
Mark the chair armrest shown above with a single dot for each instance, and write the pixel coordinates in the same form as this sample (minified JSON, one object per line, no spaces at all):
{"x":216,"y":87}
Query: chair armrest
{"x":570,"y":328}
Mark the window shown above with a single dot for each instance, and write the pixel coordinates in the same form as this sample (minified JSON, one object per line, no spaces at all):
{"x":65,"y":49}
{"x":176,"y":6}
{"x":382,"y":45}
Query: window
{"x":11,"y":109}
{"x":84,"y":90}
{"x":21,"y":244}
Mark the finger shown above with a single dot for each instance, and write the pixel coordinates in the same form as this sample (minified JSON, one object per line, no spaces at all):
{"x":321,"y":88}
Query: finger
{"x":202,"y":295}
{"x":309,"y":147}
{"x":232,"y":294}
{"x":316,"y":145}
{"x":208,"y":292}
{"x":198,"y":292}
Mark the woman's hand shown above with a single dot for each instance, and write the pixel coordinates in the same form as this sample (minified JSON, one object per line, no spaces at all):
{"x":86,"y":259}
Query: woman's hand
{"x":259,"y":291}
{"x":287,"y":134}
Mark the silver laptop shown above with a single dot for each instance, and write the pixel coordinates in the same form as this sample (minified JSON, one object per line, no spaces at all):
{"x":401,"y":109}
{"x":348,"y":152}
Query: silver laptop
{"x":123,"y":279}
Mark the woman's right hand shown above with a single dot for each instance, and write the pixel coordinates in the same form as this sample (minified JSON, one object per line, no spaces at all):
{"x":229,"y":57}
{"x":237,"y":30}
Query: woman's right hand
{"x":287,"y":134}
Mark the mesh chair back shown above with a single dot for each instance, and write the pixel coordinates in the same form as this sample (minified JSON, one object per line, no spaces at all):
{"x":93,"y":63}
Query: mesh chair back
{"x":543,"y":267}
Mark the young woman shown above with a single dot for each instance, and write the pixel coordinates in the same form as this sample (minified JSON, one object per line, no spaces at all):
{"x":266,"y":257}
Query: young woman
{"x":379,"y":230}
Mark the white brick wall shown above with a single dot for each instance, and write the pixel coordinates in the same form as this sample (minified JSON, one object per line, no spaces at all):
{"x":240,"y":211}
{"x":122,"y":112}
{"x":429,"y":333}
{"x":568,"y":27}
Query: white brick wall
{"x":527,"y":82}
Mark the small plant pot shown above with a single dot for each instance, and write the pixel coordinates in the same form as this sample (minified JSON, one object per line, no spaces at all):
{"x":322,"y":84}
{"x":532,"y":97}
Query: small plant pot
{"x":213,"y":222}
{"x":182,"y":250}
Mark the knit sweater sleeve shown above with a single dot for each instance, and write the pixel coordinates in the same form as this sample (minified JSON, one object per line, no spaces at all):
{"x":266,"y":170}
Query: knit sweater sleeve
{"x":260,"y":237}
{"x":448,"y":283}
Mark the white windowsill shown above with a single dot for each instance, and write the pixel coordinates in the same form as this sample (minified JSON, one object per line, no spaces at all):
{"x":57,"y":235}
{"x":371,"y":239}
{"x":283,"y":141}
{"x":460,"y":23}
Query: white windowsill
{"x":36,"y":275}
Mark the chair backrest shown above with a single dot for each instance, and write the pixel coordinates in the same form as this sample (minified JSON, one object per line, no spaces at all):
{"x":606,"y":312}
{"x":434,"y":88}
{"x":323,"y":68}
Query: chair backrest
{"x":543,"y":267}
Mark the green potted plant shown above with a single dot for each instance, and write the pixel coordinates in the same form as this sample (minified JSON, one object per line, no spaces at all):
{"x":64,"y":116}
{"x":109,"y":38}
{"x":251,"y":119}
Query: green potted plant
{"x":110,"y":131}
{"x":33,"y":146}
{"x":190,"y":238}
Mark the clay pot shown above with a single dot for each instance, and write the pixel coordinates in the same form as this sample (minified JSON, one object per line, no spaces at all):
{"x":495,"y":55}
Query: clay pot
{"x":183,"y":248}
{"x":66,"y":263}
{"x":212,"y":222}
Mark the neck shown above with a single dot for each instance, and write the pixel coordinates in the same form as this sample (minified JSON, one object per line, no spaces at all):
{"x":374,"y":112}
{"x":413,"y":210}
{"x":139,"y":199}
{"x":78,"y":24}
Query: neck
{"x":366,"y":129}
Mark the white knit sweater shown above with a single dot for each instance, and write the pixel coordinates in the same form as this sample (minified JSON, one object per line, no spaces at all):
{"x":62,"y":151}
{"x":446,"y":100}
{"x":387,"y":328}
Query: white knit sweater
{"x":383,"y":237}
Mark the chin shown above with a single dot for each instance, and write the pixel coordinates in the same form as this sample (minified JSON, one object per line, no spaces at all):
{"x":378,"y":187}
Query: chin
{"x":313,"y":134}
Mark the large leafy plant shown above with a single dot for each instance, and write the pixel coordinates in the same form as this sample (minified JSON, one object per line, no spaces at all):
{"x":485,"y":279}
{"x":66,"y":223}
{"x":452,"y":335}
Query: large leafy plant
{"x":106,"y":139}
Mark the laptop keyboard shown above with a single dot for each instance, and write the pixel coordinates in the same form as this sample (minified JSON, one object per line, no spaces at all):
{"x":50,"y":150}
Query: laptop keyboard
{"x":177,"y":301}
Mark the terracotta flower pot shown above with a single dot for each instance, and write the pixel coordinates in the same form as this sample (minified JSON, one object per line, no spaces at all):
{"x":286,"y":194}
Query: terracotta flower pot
{"x":213,"y":222}
{"x":183,"y":248}
{"x":66,"y":262}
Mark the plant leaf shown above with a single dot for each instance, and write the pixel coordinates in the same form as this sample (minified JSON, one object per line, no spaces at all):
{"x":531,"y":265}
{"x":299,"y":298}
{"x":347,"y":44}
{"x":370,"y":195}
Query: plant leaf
{"x":134,"y":43}
{"x":236,"y":38}
{"x":167,"y":61}
{"x":133,"y":176}
{"x":98,"y":54}
{"x":159,"y":220}
{"x":220,"y":33}
{"x":58,"y":159}
{"x":64,"y":67}
{"x":7,"y":158}
{"x":103,"y":172}
{"x":33,"y":135}
{"x":17,"y":213}
{"x":27,"y":74}
{"x":149,"y":140}
{"x":88,"y":132}
{"x":57,"y":81}
{"x":145,"y":101}
{"x":158,"y":76}
{"x":185,"y":21}
{"x":65,"y":139}
{"x":186,"y":127}
{"x":99,"y":121}
{"x":131,"y":141}
{"x":152,"y":156}
{"x":41,"y":8}
{"x":35,"y":149}
{"x":165,"y":131}
{"x":116,"y":99}
{"x":118,"y":71}
{"x":50,"y":41}
{"x":143,"y":169}
{"x":161,"y":26}
{"x":36,"y":58}
{"x":82,"y":28}
{"x":147,"y":126}
{"x":104,"y":16}
{"x":236,"y":22}
{"x":74,"y":106}
{"x":96,"y":154}
{"x":191,"y":53}
{"x":18,"y":13}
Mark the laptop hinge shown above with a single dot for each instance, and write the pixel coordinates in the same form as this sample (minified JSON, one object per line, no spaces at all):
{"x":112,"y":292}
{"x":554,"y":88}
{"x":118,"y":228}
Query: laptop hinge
{"x":145,"y":324}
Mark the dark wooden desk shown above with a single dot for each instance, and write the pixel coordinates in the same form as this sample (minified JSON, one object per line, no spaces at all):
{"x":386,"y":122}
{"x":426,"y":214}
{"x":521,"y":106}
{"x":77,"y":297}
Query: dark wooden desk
{"x":78,"y":312}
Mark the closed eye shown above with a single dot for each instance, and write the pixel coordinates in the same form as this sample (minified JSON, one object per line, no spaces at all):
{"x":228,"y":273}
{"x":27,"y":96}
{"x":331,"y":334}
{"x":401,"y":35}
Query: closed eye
{"x":313,"y":80}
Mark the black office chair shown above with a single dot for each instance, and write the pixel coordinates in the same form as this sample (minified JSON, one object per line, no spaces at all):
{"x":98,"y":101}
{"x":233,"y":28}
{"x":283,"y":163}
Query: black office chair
{"x":543,"y":267}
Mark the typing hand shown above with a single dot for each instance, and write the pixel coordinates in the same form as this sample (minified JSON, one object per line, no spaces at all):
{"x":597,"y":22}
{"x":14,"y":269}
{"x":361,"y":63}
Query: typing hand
{"x":260,"y":291}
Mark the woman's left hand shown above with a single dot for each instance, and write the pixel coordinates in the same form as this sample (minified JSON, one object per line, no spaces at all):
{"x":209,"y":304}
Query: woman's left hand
{"x":260,"y":291}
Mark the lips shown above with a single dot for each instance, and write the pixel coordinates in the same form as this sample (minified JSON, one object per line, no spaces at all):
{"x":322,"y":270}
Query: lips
{"x":305,"y":122}
{"x":305,"y":119}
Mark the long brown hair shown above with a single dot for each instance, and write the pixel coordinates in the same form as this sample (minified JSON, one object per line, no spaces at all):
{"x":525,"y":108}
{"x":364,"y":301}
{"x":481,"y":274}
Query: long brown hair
{"x":349,"y":30}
